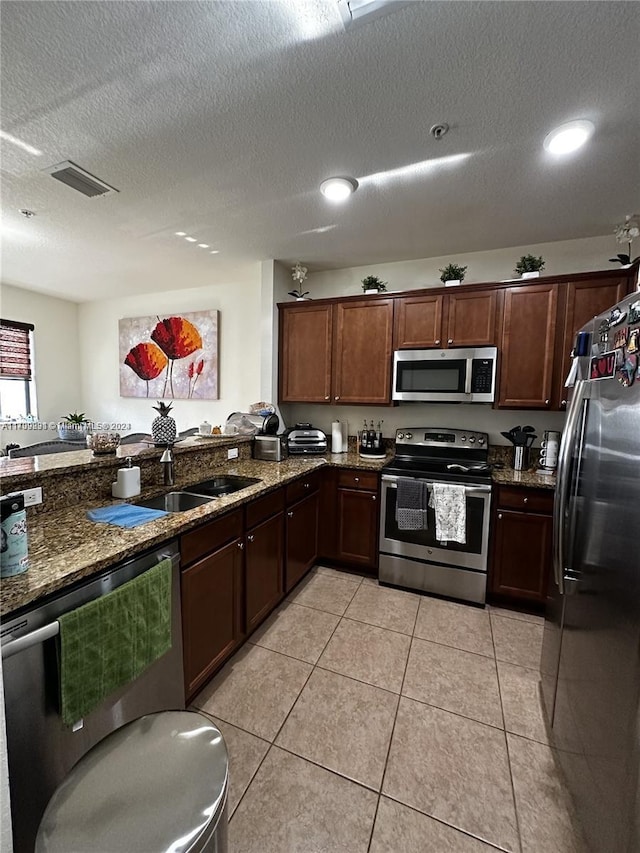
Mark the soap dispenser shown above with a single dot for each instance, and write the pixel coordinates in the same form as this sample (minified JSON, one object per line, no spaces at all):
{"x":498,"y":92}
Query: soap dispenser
{"x":127,"y":484}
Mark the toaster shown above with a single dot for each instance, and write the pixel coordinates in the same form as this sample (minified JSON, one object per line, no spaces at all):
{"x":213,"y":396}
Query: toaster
{"x":270,"y":448}
{"x":303,"y":439}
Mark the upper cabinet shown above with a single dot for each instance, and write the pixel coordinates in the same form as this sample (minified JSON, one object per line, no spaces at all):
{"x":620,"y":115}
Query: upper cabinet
{"x":306,"y":333}
{"x":446,"y":320}
{"x":528,"y":347}
{"x":362,"y":348}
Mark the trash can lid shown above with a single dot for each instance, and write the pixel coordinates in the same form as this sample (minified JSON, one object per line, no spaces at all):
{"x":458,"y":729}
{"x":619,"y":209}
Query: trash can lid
{"x":157,"y":784}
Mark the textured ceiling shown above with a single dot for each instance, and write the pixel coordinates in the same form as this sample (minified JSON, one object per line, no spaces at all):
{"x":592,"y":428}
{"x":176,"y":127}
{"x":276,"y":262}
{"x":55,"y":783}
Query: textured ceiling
{"x":222,"y":118}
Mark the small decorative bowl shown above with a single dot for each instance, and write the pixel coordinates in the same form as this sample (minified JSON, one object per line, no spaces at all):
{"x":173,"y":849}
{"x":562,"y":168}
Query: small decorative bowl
{"x":103,"y":443}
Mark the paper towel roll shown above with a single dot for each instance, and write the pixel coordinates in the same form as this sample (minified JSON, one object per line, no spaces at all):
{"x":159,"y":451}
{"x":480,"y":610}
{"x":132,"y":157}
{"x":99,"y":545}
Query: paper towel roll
{"x":345,"y":436}
{"x":336,"y":437}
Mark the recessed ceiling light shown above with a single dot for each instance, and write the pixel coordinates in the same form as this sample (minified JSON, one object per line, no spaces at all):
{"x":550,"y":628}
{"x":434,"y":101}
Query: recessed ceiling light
{"x":214,"y":252}
{"x":181,"y":233}
{"x":203,"y":245}
{"x":338,"y":189}
{"x":191,"y":239}
{"x":20,"y":144}
{"x":569,"y":137}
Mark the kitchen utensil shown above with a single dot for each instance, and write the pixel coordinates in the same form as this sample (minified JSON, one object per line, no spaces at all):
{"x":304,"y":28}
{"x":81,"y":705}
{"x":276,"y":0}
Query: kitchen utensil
{"x":508,"y":436}
{"x":520,"y":458}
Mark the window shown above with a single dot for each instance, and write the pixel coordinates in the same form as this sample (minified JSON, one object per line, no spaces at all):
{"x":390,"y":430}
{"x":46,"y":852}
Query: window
{"x":17,"y":387}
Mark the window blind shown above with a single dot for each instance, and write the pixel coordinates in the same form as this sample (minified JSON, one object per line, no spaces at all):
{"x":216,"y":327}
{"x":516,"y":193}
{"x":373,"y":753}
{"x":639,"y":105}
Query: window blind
{"x":15,"y":350}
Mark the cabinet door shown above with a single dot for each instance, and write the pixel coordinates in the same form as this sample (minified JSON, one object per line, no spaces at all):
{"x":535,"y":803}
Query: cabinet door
{"x":211,"y":613}
{"x":302,"y":539}
{"x":264,"y":570}
{"x":418,"y":322}
{"x":471,"y":319}
{"x":521,"y":555}
{"x":305,"y":353}
{"x":362,"y":351}
{"x":358,"y":528}
{"x":528,"y":346}
{"x":585,"y":300}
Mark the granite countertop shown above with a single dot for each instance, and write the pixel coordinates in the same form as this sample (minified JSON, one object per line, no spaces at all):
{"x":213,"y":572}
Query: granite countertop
{"x":65,"y":547}
{"x":530,"y":478}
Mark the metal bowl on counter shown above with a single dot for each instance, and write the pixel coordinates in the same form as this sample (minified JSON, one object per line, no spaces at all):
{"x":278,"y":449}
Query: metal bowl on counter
{"x":103,"y":443}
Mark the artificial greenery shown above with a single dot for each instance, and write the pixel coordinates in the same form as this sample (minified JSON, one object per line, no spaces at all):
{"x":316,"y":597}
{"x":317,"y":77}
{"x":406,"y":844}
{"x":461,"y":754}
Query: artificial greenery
{"x":452,"y":272}
{"x":76,"y":418}
{"x":372,"y":282}
{"x":299,"y":293}
{"x":529,"y":263}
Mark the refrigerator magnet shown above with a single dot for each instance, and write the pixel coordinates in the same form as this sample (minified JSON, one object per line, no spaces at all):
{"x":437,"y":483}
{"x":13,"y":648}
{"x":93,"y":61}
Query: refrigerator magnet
{"x":627,"y":373}
{"x":634,"y":312}
{"x":616,"y":317}
{"x":620,"y":338}
{"x":603,"y":366}
{"x":634,"y":341}
{"x":603,"y":336}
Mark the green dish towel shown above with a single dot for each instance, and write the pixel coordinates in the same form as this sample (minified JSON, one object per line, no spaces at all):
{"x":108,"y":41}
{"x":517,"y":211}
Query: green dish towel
{"x":108,"y":642}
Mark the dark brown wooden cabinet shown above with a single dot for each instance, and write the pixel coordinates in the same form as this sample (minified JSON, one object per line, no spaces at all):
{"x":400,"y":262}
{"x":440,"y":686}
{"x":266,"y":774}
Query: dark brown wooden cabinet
{"x":301,"y":539}
{"x":349,"y":518}
{"x":586,"y":299}
{"x":306,"y":333}
{"x":264,"y":569}
{"x":211,"y":592}
{"x":446,"y":320}
{"x":528,"y":347}
{"x":418,"y":321}
{"x":362,"y":348}
{"x":522,"y":541}
{"x":471,"y":318}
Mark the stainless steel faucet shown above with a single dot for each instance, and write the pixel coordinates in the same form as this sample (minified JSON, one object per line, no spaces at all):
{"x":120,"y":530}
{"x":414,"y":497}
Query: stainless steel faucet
{"x":166,"y":460}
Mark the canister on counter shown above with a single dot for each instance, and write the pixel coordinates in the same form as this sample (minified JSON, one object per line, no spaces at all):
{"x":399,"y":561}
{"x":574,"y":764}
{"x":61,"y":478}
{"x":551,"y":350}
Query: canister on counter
{"x":14,"y":554}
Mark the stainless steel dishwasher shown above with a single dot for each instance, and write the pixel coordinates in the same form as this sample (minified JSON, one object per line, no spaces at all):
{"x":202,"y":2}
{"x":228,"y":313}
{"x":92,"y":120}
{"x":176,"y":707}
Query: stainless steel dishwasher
{"x":41,"y":750}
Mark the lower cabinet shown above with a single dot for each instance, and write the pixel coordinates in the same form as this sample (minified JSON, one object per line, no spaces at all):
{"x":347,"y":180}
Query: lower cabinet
{"x":350,"y":518}
{"x":302,"y":539}
{"x":211,"y":612}
{"x":522,"y":543}
{"x":264,"y":582}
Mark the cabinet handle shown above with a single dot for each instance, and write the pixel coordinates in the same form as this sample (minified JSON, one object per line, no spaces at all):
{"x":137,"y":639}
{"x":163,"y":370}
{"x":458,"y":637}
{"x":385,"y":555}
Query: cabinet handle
{"x":307,"y":485}
{"x":450,"y":341}
{"x":327,"y":397}
{"x":336,"y":398}
{"x":251,"y":537}
{"x":356,"y":479}
{"x":546,"y":402}
{"x":241,"y":546}
{"x":437,"y":343}
{"x":563,"y":404}
{"x":290,"y":515}
{"x":500,"y":516}
{"x":525,"y":500}
{"x":373,"y":497}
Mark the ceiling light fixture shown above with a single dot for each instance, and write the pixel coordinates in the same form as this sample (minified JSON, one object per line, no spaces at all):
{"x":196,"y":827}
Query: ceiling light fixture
{"x":203,"y":245}
{"x":181,"y":233}
{"x":20,"y":144}
{"x":338,"y":189}
{"x":191,"y":239}
{"x":569,"y":137}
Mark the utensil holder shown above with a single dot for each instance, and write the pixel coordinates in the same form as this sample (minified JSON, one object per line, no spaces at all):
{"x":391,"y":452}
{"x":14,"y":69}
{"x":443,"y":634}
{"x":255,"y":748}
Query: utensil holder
{"x":520,"y":458}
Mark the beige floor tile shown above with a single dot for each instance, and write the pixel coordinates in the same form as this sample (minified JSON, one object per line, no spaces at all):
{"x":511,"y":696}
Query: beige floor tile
{"x":516,"y":614}
{"x":255,"y":690}
{"x":387,"y":608}
{"x":367,"y":653}
{"x":522,"y":702}
{"x":245,"y":754}
{"x":458,"y":625}
{"x":453,"y":769}
{"x":324,"y":592}
{"x":300,"y":632}
{"x":343,"y":725}
{"x":455,"y":680}
{"x":293,"y":806}
{"x":399,"y":829}
{"x":338,"y":573}
{"x":517,"y":642}
{"x":544,"y":807}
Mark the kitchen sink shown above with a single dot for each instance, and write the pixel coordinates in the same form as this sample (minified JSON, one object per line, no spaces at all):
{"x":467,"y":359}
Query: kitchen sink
{"x":175,"y":502}
{"x":223,"y":484}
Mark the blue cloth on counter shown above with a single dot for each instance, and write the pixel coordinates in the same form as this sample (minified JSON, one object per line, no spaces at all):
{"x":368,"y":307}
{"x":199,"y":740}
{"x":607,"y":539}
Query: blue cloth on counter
{"x":125,"y":515}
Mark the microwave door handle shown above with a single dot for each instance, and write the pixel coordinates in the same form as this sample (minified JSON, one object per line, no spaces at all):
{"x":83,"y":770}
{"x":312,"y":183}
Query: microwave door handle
{"x":467,"y":377}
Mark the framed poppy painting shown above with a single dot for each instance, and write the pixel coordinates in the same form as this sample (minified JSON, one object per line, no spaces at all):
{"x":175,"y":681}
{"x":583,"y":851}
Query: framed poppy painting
{"x":173,"y":357}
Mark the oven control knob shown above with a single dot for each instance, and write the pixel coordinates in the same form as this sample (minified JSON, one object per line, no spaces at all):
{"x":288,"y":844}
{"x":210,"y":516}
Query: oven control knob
{"x":463,"y":438}
{"x":409,"y":435}
{"x":481,"y":441}
{"x":400,"y":435}
{"x":472,"y":439}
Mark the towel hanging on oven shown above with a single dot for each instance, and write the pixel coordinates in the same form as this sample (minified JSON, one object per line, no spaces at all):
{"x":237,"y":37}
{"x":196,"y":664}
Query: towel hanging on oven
{"x":450,"y":507}
{"x":411,"y":504}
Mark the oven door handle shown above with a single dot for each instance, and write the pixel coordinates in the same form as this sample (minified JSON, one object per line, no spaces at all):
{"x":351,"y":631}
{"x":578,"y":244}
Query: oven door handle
{"x":392,"y":483}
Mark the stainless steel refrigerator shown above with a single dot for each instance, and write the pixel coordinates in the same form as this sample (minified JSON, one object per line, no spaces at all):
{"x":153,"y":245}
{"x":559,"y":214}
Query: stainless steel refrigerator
{"x":591,"y":652}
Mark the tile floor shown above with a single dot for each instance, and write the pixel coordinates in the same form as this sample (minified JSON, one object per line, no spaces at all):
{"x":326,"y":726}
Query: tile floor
{"x":360,"y":718}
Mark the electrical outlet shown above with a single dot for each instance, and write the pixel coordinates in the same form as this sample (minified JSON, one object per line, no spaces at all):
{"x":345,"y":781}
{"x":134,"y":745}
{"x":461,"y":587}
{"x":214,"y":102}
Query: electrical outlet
{"x":232,"y":453}
{"x":31,"y":496}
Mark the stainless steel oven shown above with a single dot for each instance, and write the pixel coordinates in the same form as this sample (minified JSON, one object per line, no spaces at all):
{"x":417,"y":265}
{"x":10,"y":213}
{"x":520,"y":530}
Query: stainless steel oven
{"x":445,"y":376}
{"x":415,"y":559}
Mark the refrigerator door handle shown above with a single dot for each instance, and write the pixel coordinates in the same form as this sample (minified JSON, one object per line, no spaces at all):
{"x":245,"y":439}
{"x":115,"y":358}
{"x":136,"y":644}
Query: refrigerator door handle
{"x":563,"y":481}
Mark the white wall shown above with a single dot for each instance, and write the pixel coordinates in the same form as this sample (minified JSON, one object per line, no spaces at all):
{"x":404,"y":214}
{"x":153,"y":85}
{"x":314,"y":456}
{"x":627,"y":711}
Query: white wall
{"x":563,"y":257}
{"x":239,"y":304}
{"x":56,"y":357}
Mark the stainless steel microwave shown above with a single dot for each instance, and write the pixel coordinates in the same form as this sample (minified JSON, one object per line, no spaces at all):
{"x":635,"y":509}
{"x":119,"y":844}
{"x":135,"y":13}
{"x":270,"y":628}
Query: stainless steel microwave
{"x":445,"y":376}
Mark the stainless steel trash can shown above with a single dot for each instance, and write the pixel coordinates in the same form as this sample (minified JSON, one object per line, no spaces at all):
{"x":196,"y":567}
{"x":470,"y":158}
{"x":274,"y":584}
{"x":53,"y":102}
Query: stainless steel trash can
{"x":157,"y":784}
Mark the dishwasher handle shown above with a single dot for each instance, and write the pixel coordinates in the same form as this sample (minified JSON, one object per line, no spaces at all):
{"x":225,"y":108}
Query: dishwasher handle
{"x":30,"y":639}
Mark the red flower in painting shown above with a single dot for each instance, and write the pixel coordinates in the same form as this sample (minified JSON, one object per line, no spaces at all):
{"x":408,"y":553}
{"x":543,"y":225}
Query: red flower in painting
{"x":177,"y":337}
{"x":199,"y":366}
{"x":146,"y":360}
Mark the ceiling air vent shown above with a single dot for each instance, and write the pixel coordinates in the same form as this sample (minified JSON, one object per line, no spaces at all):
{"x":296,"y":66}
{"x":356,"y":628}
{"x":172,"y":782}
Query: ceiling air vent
{"x":361,"y":11}
{"x":76,"y":178}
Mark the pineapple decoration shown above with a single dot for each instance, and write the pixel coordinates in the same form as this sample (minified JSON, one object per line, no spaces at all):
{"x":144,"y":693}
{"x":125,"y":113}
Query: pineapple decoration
{"x":163,"y":428}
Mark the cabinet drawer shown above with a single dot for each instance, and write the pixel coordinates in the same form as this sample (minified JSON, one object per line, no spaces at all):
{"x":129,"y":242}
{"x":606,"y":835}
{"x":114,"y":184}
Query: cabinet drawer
{"x":529,"y":500}
{"x":353,"y":478}
{"x":264,"y":507}
{"x":210,"y":537}
{"x":303,"y":486}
